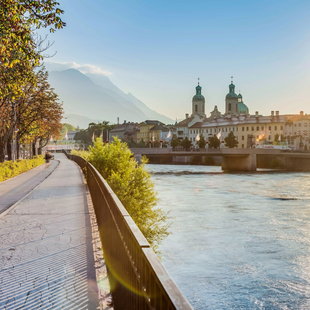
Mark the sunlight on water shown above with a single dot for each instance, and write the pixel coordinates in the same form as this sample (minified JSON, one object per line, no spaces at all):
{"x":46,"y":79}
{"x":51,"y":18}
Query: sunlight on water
{"x":239,"y":241}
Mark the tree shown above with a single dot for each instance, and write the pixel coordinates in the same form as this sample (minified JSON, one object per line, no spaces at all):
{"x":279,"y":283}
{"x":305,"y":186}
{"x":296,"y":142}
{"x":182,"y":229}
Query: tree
{"x":276,"y":137}
{"x":132,"y":184}
{"x":174,"y":141}
{"x":18,"y":20}
{"x":231,"y":140}
{"x":202,"y":142}
{"x":214,"y":142}
{"x":186,"y":143}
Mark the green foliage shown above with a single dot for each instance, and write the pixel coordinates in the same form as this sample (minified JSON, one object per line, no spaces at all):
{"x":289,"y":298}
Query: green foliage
{"x":214,"y":142}
{"x":186,"y":143}
{"x":276,"y":138}
{"x":10,"y":169}
{"x":202,"y":142}
{"x":133,"y":186}
{"x":231,"y":140}
{"x":67,"y":128}
{"x":174,"y":141}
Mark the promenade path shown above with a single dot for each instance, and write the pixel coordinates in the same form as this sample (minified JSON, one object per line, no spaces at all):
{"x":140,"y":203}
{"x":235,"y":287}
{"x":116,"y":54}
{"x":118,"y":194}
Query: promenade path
{"x":12,"y":190}
{"x":46,"y":250}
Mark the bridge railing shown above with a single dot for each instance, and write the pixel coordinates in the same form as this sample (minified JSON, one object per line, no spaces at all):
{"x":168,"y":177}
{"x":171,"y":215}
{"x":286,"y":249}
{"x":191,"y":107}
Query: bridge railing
{"x":137,"y":278}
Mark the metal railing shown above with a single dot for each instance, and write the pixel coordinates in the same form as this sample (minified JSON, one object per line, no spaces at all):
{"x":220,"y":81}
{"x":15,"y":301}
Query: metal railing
{"x":137,"y":278}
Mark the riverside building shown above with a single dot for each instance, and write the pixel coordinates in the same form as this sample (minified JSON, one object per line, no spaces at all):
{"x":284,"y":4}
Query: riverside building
{"x":248,"y":129}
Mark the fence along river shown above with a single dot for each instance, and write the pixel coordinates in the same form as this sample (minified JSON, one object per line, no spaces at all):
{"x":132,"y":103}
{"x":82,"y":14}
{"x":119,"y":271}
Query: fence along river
{"x":239,"y":241}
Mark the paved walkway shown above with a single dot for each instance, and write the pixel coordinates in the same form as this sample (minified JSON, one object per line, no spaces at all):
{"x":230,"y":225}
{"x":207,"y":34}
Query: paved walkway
{"x":14,"y":189}
{"x":46,"y":251}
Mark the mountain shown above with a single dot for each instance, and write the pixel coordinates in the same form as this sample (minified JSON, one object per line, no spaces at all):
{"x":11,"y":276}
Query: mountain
{"x":105,"y":82}
{"x":85,"y":100}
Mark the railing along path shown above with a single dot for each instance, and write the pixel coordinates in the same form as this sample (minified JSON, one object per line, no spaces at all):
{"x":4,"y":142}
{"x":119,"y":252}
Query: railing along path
{"x":137,"y":278}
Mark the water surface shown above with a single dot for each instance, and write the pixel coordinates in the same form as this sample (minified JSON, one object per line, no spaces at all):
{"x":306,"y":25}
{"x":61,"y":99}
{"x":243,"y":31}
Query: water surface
{"x":239,"y":241}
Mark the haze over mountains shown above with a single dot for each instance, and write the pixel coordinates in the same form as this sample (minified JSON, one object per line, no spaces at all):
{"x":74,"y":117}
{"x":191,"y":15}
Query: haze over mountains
{"x":92,"y":97}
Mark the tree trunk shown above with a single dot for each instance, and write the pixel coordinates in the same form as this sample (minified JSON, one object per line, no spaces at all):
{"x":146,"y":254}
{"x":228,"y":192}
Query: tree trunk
{"x":9,"y":148}
{"x":40,"y":147}
{"x":2,"y":150}
{"x":17,"y":145}
{"x":33,"y":145}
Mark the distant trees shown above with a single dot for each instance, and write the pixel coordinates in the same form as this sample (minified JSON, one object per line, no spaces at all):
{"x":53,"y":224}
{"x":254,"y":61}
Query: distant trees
{"x":231,"y":140}
{"x":214,"y":142}
{"x":85,"y":135}
{"x":202,"y":142}
{"x":174,"y":141}
{"x":186,"y":143}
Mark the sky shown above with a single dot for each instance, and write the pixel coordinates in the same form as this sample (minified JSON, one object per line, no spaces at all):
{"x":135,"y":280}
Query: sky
{"x":157,"y":49}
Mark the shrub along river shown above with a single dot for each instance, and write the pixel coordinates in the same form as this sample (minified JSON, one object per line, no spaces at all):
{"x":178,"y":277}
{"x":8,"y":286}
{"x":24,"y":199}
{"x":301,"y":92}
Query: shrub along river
{"x":239,"y":241}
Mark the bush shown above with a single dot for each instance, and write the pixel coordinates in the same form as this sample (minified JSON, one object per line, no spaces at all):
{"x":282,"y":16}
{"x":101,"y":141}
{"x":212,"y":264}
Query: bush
{"x":10,"y":169}
{"x":133,"y":186}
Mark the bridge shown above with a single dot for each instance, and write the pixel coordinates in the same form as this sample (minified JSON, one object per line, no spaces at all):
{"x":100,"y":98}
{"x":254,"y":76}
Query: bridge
{"x":234,"y":159}
{"x":54,"y":224}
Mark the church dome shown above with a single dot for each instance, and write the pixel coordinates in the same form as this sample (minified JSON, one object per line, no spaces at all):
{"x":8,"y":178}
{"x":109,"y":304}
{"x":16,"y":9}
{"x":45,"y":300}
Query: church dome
{"x":242,"y":108}
{"x":198,"y":95}
{"x":231,"y":94}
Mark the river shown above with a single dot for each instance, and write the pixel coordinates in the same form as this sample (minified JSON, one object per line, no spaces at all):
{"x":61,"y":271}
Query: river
{"x":239,"y":240}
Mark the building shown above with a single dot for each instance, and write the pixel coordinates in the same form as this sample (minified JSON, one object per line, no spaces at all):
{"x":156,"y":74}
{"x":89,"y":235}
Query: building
{"x":145,"y":133}
{"x":120,"y":130}
{"x":297,"y":130}
{"x":248,"y":129}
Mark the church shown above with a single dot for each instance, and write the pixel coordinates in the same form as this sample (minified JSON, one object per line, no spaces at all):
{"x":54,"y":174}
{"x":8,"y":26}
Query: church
{"x":248,"y":129}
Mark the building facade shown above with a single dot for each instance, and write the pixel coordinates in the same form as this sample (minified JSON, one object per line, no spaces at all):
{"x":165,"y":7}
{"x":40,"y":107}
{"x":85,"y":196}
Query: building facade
{"x":248,"y":129}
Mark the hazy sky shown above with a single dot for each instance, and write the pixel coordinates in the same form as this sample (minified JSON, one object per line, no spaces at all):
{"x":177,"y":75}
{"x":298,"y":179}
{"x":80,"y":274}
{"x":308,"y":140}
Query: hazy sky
{"x":156,"y":49}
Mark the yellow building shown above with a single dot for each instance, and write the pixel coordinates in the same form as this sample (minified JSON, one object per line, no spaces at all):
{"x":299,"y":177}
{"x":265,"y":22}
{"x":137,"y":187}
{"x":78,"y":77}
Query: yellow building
{"x":146,"y":133}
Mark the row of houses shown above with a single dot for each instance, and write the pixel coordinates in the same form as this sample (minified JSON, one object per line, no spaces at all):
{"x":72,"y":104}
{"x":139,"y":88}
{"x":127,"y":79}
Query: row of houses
{"x":149,"y":130}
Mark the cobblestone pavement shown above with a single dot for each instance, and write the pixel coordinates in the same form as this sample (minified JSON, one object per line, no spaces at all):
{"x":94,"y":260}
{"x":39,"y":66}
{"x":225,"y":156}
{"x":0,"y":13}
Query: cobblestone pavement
{"x":14,"y":189}
{"x":46,"y":251}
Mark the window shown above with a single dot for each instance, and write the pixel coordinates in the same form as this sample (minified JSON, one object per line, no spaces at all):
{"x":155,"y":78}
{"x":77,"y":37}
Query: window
{"x":191,"y":139}
{"x":190,"y":131}
{"x":226,"y":129}
{"x":196,"y":108}
{"x":243,"y":146}
{"x":262,"y":127}
{"x":229,"y":106}
{"x":269,"y":137}
{"x":247,"y":129}
{"x":269,"y":128}
{"x":242,"y":128}
{"x":207,"y":130}
{"x":275,"y":127}
{"x":281,"y":127}
{"x":295,"y":125}
{"x":299,"y":124}
{"x":211,"y":130}
{"x":233,"y":128}
{"x":257,"y":128}
{"x":252,"y":128}
{"x":229,"y":129}
{"x":242,"y":137}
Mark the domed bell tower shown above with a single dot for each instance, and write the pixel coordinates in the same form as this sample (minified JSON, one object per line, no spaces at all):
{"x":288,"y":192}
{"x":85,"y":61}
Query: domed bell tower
{"x":198,"y":102}
{"x":231,"y":100}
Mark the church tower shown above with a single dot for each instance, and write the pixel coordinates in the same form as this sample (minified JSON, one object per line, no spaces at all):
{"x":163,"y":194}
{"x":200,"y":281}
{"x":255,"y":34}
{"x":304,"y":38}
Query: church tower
{"x":198,"y":103}
{"x":231,"y":100}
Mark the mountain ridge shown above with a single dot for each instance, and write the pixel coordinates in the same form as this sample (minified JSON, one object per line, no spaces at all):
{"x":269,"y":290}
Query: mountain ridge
{"x":85,"y":99}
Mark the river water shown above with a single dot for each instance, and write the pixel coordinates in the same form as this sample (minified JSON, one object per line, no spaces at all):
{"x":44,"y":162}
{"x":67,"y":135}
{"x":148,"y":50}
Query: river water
{"x":239,"y":241}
